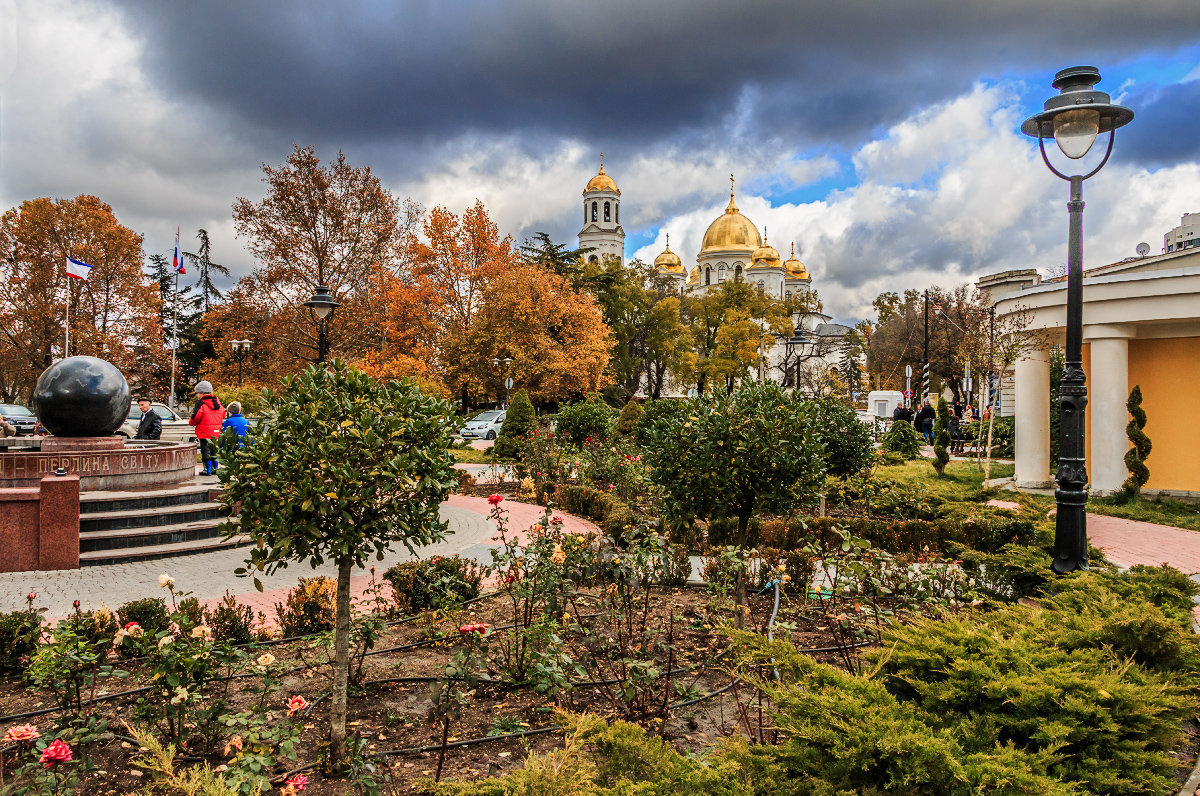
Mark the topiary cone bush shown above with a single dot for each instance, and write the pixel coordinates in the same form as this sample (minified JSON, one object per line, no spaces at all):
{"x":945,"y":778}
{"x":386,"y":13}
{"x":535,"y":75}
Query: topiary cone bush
{"x":1135,"y":457}
{"x":519,"y":421}
{"x":629,"y":417}
{"x":941,"y":437}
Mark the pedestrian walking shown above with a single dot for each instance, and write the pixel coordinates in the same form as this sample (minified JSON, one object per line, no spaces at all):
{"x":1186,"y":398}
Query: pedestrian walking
{"x":207,"y":417}
{"x":150,"y":426}
{"x":925,"y":422}
{"x":235,"y":421}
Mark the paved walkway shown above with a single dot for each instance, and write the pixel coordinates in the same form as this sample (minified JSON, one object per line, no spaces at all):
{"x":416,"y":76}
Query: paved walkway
{"x":1129,"y":542}
{"x":209,"y":575}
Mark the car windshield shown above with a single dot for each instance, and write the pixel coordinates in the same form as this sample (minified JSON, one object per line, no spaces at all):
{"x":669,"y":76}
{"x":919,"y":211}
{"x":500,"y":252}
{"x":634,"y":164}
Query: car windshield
{"x":16,"y":410}
{"x":135,"y":414}
{"x":486,"y":417}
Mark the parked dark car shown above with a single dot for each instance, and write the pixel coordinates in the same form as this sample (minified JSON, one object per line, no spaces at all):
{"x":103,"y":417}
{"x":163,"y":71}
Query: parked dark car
{"x":24,"y":420}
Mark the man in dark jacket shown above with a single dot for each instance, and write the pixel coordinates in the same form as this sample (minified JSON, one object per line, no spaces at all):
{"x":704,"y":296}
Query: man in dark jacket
{"x":925,"y":422}
{"x":150,"y":426}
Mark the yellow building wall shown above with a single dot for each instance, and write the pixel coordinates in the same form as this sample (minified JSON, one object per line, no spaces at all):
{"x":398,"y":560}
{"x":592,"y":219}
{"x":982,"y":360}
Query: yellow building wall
{"x":1167,"y":372}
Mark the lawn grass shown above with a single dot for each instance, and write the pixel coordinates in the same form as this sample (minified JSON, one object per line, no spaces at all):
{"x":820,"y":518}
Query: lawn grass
{"x":1164,"y":512}
{"x":961,"y":482}
{"x":471,"y":456}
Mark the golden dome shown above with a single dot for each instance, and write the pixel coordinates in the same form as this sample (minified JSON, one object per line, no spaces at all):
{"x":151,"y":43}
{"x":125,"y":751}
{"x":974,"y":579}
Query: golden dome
{"x":731,"y":231}
{"x":602,"y":182}
{"x":694,"y":279}
{"x":669,"y":261}
{"x":765,"y":256}
{"x":794,"y":268}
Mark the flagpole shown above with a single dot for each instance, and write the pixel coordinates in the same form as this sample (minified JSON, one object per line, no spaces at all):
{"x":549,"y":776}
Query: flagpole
{"x":67,"y":341}
{"x":174,"y":339}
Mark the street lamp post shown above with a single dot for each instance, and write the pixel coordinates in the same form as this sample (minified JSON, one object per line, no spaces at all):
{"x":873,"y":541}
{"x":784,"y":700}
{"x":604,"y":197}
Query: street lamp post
{"x":240,"y":349}
{"x":322,"y":305}
{"x":502,"y":365}
{"x":1074,"y":118}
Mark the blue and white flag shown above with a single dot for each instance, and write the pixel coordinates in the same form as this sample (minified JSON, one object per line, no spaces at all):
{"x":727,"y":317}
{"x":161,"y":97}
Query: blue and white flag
{"x":78,"y":268}
{"x":177,"y":262}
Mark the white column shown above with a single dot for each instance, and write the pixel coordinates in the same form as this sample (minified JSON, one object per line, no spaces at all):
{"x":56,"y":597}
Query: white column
{"x":1108,"y":390}
{"x":1033,"y":421}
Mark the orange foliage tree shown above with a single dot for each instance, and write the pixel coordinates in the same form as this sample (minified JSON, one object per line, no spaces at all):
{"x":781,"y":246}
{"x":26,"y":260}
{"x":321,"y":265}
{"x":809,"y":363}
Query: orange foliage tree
{"x":334,"y":225}
{"x":555,"y":336}
{"x":114,"y":313}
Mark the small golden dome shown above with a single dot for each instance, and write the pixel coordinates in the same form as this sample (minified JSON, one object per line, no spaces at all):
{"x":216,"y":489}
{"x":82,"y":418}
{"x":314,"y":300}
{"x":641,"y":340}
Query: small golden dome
{"x":794,"y":268}
{"x":694,"y":279}
{"x":765,"y":256}
{"x":669,"y":261}
{"x":602,"y":182}
{"x":731,"y":231}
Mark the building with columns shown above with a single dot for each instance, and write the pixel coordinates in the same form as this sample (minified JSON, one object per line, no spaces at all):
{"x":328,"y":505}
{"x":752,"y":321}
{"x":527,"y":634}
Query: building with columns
{"x":1141,"y":327}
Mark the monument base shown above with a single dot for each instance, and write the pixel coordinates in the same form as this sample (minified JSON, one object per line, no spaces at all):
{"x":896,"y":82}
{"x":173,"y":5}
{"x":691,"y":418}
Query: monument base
{"x":102,"y":463}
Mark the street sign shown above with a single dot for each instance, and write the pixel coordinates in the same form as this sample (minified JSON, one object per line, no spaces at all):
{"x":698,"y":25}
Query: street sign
{"x":908,"y":395}
{"x":508,"y":383}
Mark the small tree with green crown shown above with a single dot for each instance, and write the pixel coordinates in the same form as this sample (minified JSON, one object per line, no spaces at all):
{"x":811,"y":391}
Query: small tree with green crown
{"x":1135,"y":457}
{"x":629,"y":418}
{"x":519,"y":421}
{"x":941,"y":437}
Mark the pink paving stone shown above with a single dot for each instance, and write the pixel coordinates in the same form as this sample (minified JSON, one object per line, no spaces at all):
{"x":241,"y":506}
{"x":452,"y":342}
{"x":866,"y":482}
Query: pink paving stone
{"x":520,"y":517}
{"x":1004,"y":504}
{"x":483,"y":444}
{"x":1129,"y":542}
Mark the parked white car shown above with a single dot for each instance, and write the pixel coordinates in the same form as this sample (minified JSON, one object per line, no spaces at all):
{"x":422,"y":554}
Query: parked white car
{"x":485,"y":425}
{"x":174,"y":427}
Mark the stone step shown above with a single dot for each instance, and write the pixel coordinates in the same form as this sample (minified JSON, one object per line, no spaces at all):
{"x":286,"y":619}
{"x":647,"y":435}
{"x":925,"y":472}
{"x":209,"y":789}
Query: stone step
{"x":99,"y":557}
{"x":96,"y":502}
{"x":94,"y":521}
{"x":125,"y":539}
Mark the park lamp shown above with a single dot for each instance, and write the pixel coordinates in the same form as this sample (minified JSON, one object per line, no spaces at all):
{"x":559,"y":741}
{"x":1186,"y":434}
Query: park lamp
{"x":1074,"y":119}
{"x":322,"y":303}
{"x":240,"y":347}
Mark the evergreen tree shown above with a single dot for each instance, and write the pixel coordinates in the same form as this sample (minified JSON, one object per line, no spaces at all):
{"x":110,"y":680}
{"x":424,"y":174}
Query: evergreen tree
{"x":519,"y":421}
{"x":941,"y":437}
{"x":629,"y":417}
{"x":206,"y":268}
{"x":1135,"y":458}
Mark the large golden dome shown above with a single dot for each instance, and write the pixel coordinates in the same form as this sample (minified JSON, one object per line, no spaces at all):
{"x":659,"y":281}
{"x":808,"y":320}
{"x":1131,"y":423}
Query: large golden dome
{"x":669,"y":261}
{"x":731,"y":231}
{"x":602,"y":182}
{"x":794,"y":268}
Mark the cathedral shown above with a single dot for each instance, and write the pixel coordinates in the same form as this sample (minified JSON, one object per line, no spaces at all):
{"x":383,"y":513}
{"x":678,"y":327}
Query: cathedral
{"x":732,"y":248}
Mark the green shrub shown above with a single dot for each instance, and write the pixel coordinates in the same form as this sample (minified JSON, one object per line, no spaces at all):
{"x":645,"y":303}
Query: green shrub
{"x":97,"y":626}
{"x":914,"y":536}
{"x":602,"y":508}
{"x":518,"y":421}
{"x":848,"y":443}
{"x":902,"y":439}
{"x":666,"y":409}
{"x":1013,"y":572}
{"x":433,"y":583}
{"x":19,"y":632}
{"x":1135,"y":457}
{"x":673,"y":570}
{"x":577,"y":422}
{"x":308,"y":608}
{"x":627,"y":420}
{"x":1004,"y":434}
{"x":231,"y":621}
{"x":150,"y":613}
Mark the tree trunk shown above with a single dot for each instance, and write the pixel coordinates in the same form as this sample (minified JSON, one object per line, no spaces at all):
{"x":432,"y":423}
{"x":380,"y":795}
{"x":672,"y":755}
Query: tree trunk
{"x":341,"y":674}
{"x":739,"y":584}
{"x":987,"y":467}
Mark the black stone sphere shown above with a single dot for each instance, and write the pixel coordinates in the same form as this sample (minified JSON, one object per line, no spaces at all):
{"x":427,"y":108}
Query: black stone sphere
{"x":81,"y":397}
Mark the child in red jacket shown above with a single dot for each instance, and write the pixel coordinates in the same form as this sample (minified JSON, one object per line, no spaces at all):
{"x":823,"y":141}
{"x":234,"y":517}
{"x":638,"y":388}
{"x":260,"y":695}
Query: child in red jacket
{"x":207,"y":417}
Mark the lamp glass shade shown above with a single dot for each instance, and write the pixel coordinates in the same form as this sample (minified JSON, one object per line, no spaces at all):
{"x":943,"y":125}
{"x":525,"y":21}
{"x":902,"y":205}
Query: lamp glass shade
{"x":322,"y":311}
{"x":1076,"y":130}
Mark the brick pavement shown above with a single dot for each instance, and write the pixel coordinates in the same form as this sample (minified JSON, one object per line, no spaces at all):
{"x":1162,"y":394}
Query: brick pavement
{"x":208,"y":575}
{"x":1129,"y":542}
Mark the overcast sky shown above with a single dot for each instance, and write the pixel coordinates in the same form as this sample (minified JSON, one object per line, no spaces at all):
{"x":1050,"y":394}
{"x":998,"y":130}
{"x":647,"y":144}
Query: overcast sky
{"x":881,"y":138}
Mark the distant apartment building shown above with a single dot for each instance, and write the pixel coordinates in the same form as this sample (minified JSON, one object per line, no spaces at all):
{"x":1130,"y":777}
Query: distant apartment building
{"x":1184,"y":236}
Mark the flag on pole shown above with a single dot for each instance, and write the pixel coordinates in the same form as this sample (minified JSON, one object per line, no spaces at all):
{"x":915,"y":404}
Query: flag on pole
{"x":177,"y":261}
{"x":78,"y":268}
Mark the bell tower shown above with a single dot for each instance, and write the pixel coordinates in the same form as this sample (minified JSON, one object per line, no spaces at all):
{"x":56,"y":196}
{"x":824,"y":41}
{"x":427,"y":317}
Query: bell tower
{"x":602,"y":229}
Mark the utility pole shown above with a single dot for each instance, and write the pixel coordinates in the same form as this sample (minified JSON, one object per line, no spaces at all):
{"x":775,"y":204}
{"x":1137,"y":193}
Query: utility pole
{"x":925,"y":367}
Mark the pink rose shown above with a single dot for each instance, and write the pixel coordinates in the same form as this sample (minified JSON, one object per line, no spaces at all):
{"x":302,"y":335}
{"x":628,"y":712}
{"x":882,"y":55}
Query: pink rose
{"x":57,"y":752}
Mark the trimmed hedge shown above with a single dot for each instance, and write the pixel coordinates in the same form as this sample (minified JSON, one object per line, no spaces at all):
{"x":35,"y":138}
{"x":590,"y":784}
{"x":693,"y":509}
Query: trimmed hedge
{"x":608,"y":512}
{"x":912,"y":536}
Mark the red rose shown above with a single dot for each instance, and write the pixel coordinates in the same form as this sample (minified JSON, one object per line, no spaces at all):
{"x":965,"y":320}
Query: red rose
{"x":57,"y":752}
{"x":495,"y":500}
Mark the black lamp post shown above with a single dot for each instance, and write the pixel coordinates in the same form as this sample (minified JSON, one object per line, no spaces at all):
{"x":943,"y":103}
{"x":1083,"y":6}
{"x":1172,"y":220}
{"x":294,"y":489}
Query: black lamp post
{"x":1074,"y":118}
{"x":240,"y":349}
{"x":322,"y":305}
{"x":502,"y":365}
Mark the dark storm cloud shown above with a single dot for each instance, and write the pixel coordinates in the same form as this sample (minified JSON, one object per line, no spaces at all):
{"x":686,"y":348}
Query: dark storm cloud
{"x":419,"y":72}
{"x":1166,"y":125}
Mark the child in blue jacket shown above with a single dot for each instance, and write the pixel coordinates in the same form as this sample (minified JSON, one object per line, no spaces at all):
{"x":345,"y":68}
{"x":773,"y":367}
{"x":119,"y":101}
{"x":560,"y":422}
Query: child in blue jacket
{"x":235,"y":421}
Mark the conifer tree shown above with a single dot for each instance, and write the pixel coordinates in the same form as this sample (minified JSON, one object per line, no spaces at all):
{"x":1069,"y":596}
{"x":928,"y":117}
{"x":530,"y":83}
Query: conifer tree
{"x":941,"y":437}
{"x":1135,"y":457}
{"x":519,"y":421}
{"x":629,"y":418}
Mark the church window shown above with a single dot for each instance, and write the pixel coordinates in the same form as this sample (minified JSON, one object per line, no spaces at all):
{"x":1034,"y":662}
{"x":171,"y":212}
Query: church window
{"x":707,"y":275}
{"x":721,"y":273}
{"x":618,"y":212}
{"x":585,"y":212}
{"x":595,"y":209}
{"x":593,"y":259}
{"x":737,"y":271}
{"x":788,"y":295}
{"x":607,"y":212}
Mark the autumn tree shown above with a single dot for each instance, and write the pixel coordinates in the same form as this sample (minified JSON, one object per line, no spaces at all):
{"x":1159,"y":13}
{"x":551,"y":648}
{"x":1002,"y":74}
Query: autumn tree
{"x":114,"y":313}
{"x":332,"y":225}
{"x":555,"y":337}
{"x":733,"y":326}
{"x":544,"y":253}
